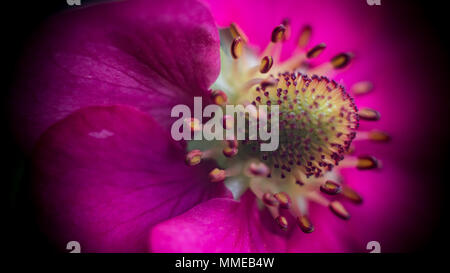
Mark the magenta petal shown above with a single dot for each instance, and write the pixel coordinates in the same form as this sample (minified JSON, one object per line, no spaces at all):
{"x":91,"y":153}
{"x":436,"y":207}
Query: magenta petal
{"x":220,"y":225}
{"x":105,"y":175}
{"x":147,"y":54}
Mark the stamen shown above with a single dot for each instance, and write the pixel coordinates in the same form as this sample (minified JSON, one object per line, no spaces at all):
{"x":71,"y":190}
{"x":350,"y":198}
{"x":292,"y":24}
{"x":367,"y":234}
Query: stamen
{"x":229,"y":151}
{"x":232,"y":143}
{"x":352,"y":195}
{"x":266,"y":64}
{"x":282,"y":222}
{"x":361,"y":88}
{"x":305,"y":224}
{"x":284,"y":200}
{"x":270,"y":82}
{"x":236,"y":31}
{"x":316,"y":51}
{"x":278,"y":34}
{"x":369,"y":114}
{"x":269,"y":200}
{"x":194,"y":157}
{"x":217,"y":175}
{"x":379,"y":136}
{"x":330,"y":187}
{"x":219,"y":97}
{"x":236,"y":47}
{"x":287,"y":24}
{"x":193,"y":124}
{"x":305,"y":36}
{"x":341,"y":60}
{"x":367,"y":162}
{"x":374,"y":135}
{"x":339,"y":210}
{"x":364,"y":162}
{"x":249,"y":84}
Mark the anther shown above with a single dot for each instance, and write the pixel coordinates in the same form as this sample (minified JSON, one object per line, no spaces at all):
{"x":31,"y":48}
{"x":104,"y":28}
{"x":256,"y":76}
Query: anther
{"x":379,"y":136}
{"x":278,"y":33}
{"x":229,"y":151}
{"x":266,"y":64}
{"x":217,"y":175}
{"x":233,"y":143}
{"x":287,"y":23}
{"x":259,"y":169}
{"x":283,"y":199}
{"x":194,"y":157}
{"x":282,"y":222}
{"x":352,"y":195}
{"x":330,"y":187}
{"x":341,"y":60}
{"x":316,"y":51}
{"x":367,"y":162}
{"x":267,"y":83}
{"x":269,"y":200}
{"x":219,"y":97}
{"x":339,"y":210}
{"x":305,"y":224}
{"x":236,"y":47}
{"x":193,"y":124}
{"x":236,"y":31}
{"x":305,"y":36}
{"x":361,"y":88}
{"x":369,"y":114}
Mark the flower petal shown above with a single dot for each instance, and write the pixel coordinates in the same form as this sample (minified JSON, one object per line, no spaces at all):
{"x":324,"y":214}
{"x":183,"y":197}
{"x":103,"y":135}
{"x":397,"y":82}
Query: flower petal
{"x":148,"y":54}
{"x":104,"y":175}
{"x":220,"y":225}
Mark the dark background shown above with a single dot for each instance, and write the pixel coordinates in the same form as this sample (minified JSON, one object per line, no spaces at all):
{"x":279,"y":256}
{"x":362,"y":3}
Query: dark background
{"x":20,"y":18}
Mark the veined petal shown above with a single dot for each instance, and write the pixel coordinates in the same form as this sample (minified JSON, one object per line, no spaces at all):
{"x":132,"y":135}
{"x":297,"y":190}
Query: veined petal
{"x":105,"y":175}
{"x":220,"y":225}
{"x":148,"y":54}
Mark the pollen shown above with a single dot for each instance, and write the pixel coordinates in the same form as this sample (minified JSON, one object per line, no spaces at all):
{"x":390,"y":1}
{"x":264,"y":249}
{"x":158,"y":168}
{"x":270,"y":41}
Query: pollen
{"x":219,"y":97}
{"x":266,"y":64}
{"x":194,"y":157}
{"x":316,"y":51}
{"x":236,"y":47}
{"x":305,"y":224}
{"x":278,"y":33}
{"x":341,"y":60}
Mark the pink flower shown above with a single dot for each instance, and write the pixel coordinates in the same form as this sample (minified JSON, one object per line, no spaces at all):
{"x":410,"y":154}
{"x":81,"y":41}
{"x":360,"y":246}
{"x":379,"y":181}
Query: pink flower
{"x":94,"y":101}
{"x":385,"y":59}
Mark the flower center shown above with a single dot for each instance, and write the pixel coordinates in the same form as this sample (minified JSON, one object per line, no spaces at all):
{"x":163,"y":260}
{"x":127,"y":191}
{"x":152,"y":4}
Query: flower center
{"x":317,"y":118}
